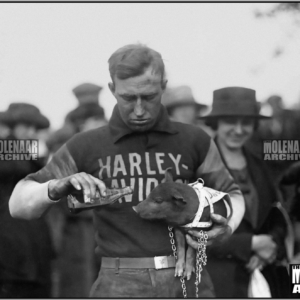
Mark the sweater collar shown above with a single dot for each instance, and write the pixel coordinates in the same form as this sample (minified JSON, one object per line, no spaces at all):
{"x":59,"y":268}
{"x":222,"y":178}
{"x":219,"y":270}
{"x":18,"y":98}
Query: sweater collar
{"x":119,"y":129}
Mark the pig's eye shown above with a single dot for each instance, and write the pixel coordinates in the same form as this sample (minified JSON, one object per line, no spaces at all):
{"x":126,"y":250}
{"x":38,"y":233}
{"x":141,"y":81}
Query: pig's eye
{"x":159,"y":200}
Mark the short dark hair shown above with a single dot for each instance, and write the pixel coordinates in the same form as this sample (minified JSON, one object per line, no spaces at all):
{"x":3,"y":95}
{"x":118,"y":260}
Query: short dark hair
{"x":213,"y":123}
{"x":132,"y":60}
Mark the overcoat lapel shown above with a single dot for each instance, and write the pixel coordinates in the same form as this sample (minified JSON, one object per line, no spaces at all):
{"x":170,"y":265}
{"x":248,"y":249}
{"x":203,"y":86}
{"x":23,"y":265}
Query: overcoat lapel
{"x":265,"y":192}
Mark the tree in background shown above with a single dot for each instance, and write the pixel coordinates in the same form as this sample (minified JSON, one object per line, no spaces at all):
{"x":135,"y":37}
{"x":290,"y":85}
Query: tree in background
{"x":279,"y":9}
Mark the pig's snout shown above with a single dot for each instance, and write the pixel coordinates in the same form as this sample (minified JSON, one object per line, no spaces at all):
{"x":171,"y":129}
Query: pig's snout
{"x":140,"y":209}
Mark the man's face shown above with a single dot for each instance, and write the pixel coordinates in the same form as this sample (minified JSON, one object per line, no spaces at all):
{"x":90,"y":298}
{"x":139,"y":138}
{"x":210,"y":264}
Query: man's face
{"x":139,"y":99}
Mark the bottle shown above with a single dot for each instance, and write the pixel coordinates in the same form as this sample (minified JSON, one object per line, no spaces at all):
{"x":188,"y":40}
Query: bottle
{"x":76,"y":203}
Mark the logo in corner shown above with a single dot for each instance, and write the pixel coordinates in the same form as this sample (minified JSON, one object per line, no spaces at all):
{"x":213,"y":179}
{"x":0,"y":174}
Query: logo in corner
{"x":295,"y":278}
{"x":281,"y":150}
{"x":18,"y":150}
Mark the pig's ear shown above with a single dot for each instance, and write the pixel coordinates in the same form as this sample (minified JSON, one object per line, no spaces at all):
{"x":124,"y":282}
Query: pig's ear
{"x":178,"y":198}
{"x":168,"y":175}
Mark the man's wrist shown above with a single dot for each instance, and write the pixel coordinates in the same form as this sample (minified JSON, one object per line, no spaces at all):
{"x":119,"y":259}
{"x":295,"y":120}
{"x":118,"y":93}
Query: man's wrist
{"x":52,"y":195}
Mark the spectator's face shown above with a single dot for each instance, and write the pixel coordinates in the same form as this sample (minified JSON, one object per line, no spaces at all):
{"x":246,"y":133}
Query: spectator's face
{"x":139,"y":99}
{"x":4,"y":131}
{"x":25,"y":131}
{"x":233,"y":132}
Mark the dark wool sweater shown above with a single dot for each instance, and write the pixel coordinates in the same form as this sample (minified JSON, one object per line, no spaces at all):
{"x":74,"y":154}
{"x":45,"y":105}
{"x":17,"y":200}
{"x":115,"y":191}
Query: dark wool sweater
{"x":120,"y":157}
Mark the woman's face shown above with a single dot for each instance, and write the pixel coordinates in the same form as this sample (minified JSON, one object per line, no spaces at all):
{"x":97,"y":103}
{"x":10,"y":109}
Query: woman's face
{"x":234,"y":132}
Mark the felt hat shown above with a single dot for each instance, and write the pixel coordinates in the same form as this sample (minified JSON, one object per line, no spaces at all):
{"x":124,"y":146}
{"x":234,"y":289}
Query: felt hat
{"x":87,"y":93}
{"x":234,"y":102}
{"x":180,"y":96}
{"x":5,"y":118}
{"x":28,"y":114}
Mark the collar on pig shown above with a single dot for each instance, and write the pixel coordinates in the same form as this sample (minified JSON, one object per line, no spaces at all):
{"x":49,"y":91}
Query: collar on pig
{"x":205,"y":195}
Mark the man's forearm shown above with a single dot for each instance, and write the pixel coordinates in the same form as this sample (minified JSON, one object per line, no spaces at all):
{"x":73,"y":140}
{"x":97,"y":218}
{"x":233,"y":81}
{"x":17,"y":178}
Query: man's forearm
{"x":29,"y":200}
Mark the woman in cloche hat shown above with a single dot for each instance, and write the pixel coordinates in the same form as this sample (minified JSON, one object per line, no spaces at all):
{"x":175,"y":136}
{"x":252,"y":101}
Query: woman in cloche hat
{"x":258,"y":241}
{"x":27,"y":122}
{"x":25,"y":116}
{"x":26,"y":249}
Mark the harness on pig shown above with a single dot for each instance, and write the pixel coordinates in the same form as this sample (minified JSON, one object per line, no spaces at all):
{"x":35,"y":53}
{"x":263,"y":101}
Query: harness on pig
{"x":206,"y":196}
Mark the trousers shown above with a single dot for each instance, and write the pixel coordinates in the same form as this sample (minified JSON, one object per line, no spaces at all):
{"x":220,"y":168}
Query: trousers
{"x":148,"y":283}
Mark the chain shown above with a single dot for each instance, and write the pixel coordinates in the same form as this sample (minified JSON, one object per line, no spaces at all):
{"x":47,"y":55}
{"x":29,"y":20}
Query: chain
{"x":201,"y":258}
{"x":172,"y":240}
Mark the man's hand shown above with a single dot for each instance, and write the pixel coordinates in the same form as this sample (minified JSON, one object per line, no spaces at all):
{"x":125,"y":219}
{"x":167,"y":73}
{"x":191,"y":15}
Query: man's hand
{"x":59,"y":188}
{"x":264,"y":246}
{"x":219,"y":231}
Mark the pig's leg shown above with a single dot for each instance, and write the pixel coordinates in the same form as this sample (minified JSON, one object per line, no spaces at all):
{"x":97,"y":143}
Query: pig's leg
{"x":180,"y":245}
{"x":190,"y":261}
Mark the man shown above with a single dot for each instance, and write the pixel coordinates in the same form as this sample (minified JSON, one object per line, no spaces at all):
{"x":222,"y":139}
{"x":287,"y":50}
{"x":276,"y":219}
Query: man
{"x":88,"y":114}
{"x":182,"y":107}
{"x":76,"y":229}
{"x":134,"y":149}
{"x":181,"y":104}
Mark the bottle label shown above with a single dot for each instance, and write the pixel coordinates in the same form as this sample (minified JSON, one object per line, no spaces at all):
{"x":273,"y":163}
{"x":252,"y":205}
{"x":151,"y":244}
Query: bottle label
{"x":76,"y":200}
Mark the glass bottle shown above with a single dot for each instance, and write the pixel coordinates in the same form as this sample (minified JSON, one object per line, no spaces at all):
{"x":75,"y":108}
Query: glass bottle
{"x":76,"y":203}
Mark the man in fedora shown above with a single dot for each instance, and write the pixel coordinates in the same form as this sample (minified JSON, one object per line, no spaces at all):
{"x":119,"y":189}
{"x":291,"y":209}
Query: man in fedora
{"x":26,"y":248}
{"x":135,"y":149}
{"x":181,"y":104}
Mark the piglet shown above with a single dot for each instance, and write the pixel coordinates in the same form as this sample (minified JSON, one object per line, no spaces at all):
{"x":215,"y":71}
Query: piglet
{"x":177,"y":204}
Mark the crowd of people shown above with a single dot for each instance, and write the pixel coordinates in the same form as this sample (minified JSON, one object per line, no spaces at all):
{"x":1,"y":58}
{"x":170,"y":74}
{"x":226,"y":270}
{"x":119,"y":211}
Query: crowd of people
{"x":46,"y":251}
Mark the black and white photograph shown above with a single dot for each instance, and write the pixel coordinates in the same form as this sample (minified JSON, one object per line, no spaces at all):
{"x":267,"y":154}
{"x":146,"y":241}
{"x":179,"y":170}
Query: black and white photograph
{"x":149,"y":150}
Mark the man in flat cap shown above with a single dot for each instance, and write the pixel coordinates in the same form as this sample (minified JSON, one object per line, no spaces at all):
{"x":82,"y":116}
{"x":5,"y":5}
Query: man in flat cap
{"x":89,"y":114}
{"x":77,"y":229}
{"x":137,"y":146}
{"x":87,"y":93}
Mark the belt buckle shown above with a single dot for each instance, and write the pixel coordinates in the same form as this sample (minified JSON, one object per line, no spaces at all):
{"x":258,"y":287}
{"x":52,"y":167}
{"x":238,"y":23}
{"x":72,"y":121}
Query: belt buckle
{"x":161,"y":262}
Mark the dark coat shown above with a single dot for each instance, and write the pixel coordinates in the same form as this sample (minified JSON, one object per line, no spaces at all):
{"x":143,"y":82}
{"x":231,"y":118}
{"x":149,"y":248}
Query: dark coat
{"x":226,"y":261}
{"x":25,"y":246}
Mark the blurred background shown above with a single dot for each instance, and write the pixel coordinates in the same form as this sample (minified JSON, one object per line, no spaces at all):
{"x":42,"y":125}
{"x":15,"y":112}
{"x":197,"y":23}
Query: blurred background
{"x":46,"y":49}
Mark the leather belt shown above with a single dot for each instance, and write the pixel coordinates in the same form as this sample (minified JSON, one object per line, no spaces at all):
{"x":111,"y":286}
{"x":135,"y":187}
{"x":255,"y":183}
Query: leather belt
{"x":157,"y":262}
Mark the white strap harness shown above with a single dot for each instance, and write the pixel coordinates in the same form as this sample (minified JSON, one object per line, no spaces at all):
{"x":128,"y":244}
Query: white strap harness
{"x":206,"y":196}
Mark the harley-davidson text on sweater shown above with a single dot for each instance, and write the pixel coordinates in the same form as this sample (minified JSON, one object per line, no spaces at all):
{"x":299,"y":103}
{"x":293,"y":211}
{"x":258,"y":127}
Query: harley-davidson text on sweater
{"x":120,"y":157}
